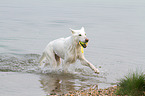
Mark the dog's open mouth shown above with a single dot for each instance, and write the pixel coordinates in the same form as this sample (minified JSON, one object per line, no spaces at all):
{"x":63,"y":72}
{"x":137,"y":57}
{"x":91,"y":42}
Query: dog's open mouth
{"x":84,"y":45}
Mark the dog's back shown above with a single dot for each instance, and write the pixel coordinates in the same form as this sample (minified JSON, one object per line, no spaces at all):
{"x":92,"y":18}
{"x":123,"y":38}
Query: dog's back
{"x":56,"y":49}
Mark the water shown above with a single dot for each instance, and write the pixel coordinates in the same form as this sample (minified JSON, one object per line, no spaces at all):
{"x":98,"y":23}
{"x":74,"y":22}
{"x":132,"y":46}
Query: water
{"x":115,"y":29}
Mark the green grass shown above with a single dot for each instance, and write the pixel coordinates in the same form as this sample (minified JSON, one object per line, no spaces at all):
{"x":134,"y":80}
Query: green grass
{"x":132,"y":85}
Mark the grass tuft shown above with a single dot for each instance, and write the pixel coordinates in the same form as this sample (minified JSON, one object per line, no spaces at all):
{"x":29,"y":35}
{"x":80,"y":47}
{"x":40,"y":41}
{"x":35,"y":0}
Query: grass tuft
{"x":132,"y":85}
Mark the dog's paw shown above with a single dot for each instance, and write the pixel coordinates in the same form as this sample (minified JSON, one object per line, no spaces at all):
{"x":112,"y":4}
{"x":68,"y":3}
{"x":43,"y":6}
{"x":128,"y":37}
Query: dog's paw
{"x":97,"y":71}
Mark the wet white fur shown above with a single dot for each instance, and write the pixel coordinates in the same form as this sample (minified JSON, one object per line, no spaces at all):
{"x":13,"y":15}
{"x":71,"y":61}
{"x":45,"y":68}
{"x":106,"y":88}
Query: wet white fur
{"x":67,"y":49}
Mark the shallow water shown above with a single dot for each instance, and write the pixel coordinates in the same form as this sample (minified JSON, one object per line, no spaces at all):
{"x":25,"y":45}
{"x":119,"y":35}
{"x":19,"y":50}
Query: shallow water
{"x":117,"y":42}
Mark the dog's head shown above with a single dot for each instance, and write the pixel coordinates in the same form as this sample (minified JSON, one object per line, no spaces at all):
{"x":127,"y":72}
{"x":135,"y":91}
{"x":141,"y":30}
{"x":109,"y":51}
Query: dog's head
{"x":80,"y":36}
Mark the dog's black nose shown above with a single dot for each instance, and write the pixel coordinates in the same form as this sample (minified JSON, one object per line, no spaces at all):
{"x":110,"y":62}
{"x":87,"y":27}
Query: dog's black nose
{"x":87,"y":40}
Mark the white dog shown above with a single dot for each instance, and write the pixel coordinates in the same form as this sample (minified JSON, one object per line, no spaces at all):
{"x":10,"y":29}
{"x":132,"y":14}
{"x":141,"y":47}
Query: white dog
{"x":69,"y":49}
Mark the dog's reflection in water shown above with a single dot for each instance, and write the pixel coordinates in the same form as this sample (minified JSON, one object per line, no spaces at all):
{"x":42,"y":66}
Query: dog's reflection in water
{"x":57,"y":84}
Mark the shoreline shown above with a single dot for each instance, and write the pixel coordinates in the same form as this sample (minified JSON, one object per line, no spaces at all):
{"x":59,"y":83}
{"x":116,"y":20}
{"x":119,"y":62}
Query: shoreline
{"x":93,"y":91}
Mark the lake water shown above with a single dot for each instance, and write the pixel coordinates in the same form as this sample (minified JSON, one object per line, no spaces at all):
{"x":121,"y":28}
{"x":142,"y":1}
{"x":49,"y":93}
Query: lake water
{"x":116,"y":29}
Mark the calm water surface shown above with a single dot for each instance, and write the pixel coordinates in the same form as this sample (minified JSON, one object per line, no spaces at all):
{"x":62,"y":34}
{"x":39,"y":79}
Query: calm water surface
{"x":116,"y":29}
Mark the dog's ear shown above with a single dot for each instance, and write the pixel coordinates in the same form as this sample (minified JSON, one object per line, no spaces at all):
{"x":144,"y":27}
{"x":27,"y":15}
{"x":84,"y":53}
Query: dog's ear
{"x":73,"y":32}
{"x":82,"y":29}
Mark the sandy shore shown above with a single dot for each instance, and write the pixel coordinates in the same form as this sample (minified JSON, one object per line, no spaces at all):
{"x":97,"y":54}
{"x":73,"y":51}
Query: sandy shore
{"x":94,"y":91}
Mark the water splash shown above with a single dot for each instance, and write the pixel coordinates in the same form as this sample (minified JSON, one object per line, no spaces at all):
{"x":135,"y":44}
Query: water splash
{"x":18,"y":63}
{"x":29,"y":63}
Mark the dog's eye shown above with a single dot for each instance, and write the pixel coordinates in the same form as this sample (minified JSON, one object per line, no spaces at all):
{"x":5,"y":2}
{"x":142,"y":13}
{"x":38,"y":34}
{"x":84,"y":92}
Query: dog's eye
{"x":80,"y":34}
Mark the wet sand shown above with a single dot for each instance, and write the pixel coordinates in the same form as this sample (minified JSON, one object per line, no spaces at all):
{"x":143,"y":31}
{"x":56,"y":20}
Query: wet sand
{"x":111,"y":91}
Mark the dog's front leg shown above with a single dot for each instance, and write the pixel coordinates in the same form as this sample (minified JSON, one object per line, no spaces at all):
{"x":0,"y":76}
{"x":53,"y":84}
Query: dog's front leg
{"x":87,"y":63}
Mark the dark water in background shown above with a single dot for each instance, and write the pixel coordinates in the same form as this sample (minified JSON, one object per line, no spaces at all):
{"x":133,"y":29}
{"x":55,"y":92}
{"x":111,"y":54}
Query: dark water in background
{"x":116,"y":29}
